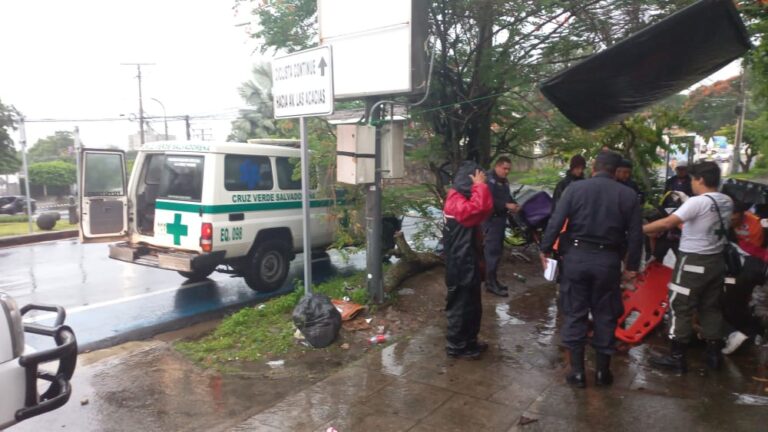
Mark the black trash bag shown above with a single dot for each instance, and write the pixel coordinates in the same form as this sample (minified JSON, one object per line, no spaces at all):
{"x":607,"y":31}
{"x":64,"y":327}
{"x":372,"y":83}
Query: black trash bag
{"x":317,"y":319}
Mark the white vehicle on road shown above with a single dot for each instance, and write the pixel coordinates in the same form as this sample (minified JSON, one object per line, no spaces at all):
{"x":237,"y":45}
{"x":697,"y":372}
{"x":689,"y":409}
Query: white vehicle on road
{"x":20,"y":370}
{"x":198,"y":206}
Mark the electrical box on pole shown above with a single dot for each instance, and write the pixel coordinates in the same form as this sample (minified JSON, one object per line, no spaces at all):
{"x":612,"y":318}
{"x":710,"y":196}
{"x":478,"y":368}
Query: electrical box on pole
{"x":355,"y":147}
{"x":393,"y":150}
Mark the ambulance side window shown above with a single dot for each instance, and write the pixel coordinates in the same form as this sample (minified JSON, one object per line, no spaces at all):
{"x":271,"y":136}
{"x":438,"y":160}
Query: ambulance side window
{"x":247,"y":173}
{"x":182,"y":178}
{"x":289,"y":174}
{"x":154,"y":169}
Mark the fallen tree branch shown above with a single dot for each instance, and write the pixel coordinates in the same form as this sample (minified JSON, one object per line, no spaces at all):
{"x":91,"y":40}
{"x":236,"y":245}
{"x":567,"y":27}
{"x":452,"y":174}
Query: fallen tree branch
{"x":410,"y":263}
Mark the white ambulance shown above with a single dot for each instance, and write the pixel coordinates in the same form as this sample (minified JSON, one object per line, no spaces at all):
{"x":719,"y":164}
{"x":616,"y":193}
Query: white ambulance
{"x":197,"y":207}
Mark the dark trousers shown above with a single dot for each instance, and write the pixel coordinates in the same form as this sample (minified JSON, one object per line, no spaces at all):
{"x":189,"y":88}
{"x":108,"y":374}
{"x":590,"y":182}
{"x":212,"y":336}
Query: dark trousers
{"x":493,"y":245}
{"x":737,"y":313}
{"x":696,"y":286}
{"x":464,"y":310}
{"x":591,"y":283}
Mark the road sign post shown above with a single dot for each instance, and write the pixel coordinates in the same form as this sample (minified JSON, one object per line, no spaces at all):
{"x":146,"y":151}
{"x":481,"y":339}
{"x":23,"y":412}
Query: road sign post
{"x":302,"y":86}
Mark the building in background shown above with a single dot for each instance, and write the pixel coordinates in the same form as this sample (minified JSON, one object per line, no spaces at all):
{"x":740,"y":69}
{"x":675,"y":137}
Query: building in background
{"x":134,"y":140}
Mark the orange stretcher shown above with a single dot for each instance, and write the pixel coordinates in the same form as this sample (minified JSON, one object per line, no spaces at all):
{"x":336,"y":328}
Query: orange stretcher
{"x":646,"y":305}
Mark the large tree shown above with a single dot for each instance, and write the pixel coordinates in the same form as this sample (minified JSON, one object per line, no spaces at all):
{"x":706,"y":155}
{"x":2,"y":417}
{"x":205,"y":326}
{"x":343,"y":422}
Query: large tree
{"x":754,"y":139}
{"x":490,"y":56}
{"x":713,"y":106}
{"x":258,"y":121}
{"x":9,"y":159}
{"x":756,"y":13}
{"x":59,"y":146}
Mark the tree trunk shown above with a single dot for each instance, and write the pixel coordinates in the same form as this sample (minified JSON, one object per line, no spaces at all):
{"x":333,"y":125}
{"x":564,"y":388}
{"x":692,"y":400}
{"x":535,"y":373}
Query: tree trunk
{"x":479,"y":125}
{"x":411,"y":263}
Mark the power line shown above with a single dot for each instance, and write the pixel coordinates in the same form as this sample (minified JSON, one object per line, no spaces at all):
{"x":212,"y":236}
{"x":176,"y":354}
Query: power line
{"x":113,"y":119}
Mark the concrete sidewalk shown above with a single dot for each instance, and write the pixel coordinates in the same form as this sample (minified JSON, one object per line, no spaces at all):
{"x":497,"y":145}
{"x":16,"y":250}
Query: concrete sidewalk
{"x":519,"y":385}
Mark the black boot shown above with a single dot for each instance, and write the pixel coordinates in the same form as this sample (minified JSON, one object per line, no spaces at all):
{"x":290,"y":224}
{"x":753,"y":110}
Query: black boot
{"x":713,"y":356}
{"x":468,"y":353}
{"x":501,"y":285}
{"x":576,"y":376}
{"x":675,"y":361}
{"x":492,"y":288}
{"x":603,"y":375}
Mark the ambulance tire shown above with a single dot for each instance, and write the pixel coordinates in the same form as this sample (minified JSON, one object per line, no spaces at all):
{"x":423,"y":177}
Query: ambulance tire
{"x":197,"y":275}
{"x":268,"y":266}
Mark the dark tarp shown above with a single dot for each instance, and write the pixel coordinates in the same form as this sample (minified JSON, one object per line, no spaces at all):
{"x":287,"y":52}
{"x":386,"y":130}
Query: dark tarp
{"x":654,"y":63}
{"x":746,"y":191}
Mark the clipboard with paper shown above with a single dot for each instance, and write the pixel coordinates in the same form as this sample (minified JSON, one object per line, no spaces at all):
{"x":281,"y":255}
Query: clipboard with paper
{"x":550,"y":272}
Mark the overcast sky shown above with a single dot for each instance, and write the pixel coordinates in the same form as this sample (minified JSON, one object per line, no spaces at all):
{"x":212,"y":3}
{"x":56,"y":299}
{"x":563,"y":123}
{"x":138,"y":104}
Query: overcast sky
{"x":62,"y":59}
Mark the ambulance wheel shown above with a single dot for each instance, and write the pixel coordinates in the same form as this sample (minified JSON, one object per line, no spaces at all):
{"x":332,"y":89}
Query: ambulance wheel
{"x":268,"y":266}
{"x":197,"y":275}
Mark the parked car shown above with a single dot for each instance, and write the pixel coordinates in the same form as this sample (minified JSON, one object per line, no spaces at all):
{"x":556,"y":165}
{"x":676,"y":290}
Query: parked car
{"x":13,"y":204}
{"x":24,"y":372}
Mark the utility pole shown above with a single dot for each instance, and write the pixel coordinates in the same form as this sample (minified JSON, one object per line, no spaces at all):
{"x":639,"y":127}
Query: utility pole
{"x":23,"y":142}
{"x":141,"y":103}
{"x":741,"y":110}
{"x":203,"y":133}
{"x":189,"y":129}
{"x":373,"y":218}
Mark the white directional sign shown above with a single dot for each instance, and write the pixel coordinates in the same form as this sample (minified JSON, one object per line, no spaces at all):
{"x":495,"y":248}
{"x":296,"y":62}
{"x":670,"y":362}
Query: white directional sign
{"x":302,"y":83}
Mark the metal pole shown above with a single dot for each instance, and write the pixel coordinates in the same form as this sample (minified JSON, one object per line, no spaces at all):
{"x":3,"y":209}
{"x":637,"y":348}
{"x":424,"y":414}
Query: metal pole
{"x":741,"y":106}
{"x":165,"y":118}
{"x":305,"y":220}
{"x":77,"y":159}
{"x":373,"y":222}
{"x":141,"y":108}
{"x":189,"y":135}
{"x":23,"y":139}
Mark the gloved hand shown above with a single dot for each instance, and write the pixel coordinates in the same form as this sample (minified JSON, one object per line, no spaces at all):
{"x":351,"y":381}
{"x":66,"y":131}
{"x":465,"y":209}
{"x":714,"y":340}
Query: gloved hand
{"x":682,"y":196}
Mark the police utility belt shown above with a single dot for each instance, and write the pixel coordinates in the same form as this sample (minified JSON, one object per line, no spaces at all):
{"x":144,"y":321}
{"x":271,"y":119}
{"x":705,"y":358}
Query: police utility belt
{"x":589,"y":245}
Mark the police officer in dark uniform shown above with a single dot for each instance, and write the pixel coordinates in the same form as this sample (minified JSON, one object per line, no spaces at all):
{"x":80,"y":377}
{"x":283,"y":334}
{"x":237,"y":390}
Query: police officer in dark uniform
{"x":494,"y":228}
{"x":624,"y":176}
{"x":604,"y":221}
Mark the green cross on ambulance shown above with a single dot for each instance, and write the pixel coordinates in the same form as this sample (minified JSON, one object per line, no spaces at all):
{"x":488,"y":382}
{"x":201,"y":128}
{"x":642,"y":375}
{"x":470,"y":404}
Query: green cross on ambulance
{"x":197,"y":207}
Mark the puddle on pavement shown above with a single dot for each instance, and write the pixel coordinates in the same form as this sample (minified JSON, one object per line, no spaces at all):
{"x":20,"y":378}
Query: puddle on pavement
{"x":752,"y":400}
{"x":504,"y":317}
{"x":538,"y":306}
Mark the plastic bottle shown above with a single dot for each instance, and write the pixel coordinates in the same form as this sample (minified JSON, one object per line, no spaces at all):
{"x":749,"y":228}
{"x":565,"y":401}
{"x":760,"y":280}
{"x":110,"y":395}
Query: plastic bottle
{"x":519,"y":277}
{"x":378,"y":339}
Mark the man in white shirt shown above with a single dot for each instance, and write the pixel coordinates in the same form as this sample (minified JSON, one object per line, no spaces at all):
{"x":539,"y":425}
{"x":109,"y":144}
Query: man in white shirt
{"x":700,"y":270}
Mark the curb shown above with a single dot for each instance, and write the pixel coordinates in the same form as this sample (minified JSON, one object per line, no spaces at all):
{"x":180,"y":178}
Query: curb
{"x":37,"y":238}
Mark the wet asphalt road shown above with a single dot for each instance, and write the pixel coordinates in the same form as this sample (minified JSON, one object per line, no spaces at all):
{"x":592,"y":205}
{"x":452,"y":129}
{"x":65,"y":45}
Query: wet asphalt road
{"x":109,"y":302}
{"x":518,"y":385}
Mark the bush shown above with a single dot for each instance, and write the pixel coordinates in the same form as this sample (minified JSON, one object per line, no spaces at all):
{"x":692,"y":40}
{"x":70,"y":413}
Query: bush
{"x":12,"y":219}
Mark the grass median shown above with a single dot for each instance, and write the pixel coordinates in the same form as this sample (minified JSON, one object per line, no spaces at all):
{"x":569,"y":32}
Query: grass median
{"x":17,"y":225}
{"x":266,"y":330}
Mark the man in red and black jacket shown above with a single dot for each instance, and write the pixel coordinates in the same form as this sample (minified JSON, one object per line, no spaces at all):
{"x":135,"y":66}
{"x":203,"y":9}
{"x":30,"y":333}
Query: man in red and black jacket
{"x":467,"y":205}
